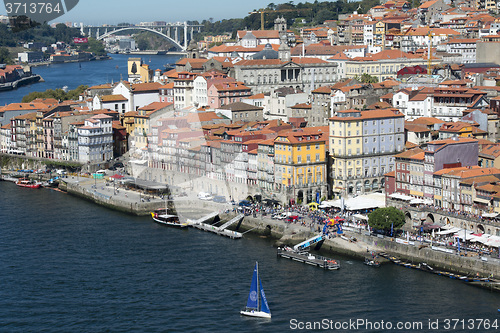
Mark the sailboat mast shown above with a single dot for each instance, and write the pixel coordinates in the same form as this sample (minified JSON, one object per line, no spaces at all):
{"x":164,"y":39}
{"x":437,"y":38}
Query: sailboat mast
{"x":258,"y":286}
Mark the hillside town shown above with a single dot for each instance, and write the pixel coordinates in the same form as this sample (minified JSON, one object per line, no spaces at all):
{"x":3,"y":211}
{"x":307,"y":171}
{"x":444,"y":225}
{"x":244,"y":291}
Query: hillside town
{"x":402,"y":101}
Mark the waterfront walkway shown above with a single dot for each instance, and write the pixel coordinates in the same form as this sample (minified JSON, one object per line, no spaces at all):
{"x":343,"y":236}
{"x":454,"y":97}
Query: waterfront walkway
{"x":356,"y":241}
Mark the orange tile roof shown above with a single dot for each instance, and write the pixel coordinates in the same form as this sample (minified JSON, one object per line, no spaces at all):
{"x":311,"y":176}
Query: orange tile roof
{"x":491,"y":150}
{"x":409,"y":153}
{"x":428,"y":121}
{"x":24,"y":106}
{"x":260,"y":33}
{"x":257,"y":96}
{"x":202,"y":116}
{"x":113,"y":98}
{"x":370,"y":114}
{"x":150,"y":86}
{"x":101,"y":86}
{"x":468,"y":172}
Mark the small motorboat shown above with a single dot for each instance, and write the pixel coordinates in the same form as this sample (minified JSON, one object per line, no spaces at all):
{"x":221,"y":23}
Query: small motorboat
{"x":29,"y":183}
{"x":373,"y":263}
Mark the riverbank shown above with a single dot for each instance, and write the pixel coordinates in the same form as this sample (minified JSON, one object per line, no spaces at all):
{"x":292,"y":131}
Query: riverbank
{"x":364,"y":244}
{"x":355,"y":244}
{"x":21,"y":82}
{"x":48,"y":63}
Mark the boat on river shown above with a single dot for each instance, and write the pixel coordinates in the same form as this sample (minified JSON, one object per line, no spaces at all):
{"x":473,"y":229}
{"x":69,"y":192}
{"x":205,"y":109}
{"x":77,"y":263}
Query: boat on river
{"x":257,"y":303}
{"x":373,"y":263}
{"x":29,"y":183}
{"x":308,"y":258}
{"x":167,"y":219}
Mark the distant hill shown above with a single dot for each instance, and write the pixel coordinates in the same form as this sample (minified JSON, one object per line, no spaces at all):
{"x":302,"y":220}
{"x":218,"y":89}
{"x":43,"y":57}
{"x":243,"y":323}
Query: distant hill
{"x":42,"y":33}
{"x":313,"y":13}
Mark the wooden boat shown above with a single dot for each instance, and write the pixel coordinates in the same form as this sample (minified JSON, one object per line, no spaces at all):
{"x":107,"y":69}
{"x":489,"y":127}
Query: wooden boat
{"x":257,"y":303}
{"x":29,"y":183}
{"x":161,"y":216}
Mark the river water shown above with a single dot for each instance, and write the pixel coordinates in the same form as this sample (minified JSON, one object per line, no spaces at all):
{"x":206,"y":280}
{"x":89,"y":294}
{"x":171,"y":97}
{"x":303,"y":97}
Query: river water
{"x":88,"y":73}
{"x":68,"y":265}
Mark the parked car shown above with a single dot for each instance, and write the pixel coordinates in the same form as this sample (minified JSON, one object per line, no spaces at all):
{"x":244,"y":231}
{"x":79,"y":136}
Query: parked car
{"x":219,"y":198}
{"x":118,"y":165}
{"x":204,"y":196}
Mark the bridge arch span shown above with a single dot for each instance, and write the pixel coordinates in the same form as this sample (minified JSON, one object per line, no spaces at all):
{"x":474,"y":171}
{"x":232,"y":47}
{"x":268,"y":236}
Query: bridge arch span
{"x":179,"y":46}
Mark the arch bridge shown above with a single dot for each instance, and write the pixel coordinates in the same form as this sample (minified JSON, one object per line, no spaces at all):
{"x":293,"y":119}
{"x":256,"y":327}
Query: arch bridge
{"x":168,"y":31}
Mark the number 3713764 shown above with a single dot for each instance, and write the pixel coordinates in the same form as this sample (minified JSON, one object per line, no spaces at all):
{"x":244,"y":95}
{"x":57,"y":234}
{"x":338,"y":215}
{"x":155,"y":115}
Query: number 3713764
{"x":23,"y":8}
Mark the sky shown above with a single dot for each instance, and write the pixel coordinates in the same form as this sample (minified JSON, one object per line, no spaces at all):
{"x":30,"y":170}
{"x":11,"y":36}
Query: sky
{"x":96,"y":12}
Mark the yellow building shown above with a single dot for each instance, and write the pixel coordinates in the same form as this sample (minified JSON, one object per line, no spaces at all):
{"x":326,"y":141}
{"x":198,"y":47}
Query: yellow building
{"x":384,"y":64}
{"x":461,"y":129}
{"x":128,"y":120}
{"x":138,"y":72}
{"x":300,"y":163}
{"x":379,"y":34}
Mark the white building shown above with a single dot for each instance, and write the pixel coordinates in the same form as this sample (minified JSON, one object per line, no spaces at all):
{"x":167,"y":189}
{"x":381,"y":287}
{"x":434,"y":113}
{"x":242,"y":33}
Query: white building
{"x":138,"y":95}
{"x":465,"y":47}
{"x":443,"y":103}
{"x":118,"y":103}
{"x":95,"y":139}
{"x":5,"y":135}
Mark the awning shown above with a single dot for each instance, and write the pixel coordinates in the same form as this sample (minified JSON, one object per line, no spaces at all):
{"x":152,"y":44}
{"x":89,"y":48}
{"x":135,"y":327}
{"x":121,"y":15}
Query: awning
{"x":449,"y":231}
{"x":490,"y":215}
{"x":416,"y":201}
{"x":139,"y":162}
{"x":400,"y":196}
{"x":464,"y":234}
{"x":360,"y":217}
{"x":484,"y":201}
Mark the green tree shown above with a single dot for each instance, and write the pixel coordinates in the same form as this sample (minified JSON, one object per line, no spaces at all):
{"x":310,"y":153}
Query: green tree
{"x":383,"y":218}
{"x":5,"y":57}
{"x":58,"y":94}
{"x":142,"y":44}
{"x":95,"y":46}
{"x":366,"y":78}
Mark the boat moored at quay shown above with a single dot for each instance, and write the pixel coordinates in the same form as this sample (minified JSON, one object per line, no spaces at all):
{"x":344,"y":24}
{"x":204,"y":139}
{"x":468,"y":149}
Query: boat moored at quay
{"x":308,"y":258}
{"x":28,"y":183}
{"x":161,"y":216}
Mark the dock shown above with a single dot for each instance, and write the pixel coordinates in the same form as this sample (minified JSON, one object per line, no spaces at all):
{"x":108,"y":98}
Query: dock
{"x":222,"y":230}
{"x":309,"y":258}
{"x":473,"y":280}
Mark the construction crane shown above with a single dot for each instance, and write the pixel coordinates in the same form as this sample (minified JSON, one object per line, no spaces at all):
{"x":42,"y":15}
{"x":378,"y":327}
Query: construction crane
{"x":262,"y":11}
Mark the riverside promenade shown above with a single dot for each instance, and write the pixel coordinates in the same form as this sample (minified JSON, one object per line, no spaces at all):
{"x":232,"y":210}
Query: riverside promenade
{"x":111,"y":195}
{"x":355,"y":243}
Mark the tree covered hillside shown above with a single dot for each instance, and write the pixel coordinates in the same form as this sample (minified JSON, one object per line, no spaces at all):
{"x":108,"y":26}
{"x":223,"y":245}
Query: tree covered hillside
{"x":314,"y":13}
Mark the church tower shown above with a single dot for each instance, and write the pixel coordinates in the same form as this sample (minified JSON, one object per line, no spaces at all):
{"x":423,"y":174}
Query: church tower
{"x":280,"y":25}
{"x":284,"y":53}
{"x":192,"y":50}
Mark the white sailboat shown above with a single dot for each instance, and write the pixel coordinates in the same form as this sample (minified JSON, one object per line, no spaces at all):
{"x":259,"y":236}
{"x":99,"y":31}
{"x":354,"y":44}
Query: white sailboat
{"x":257,"y":302}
